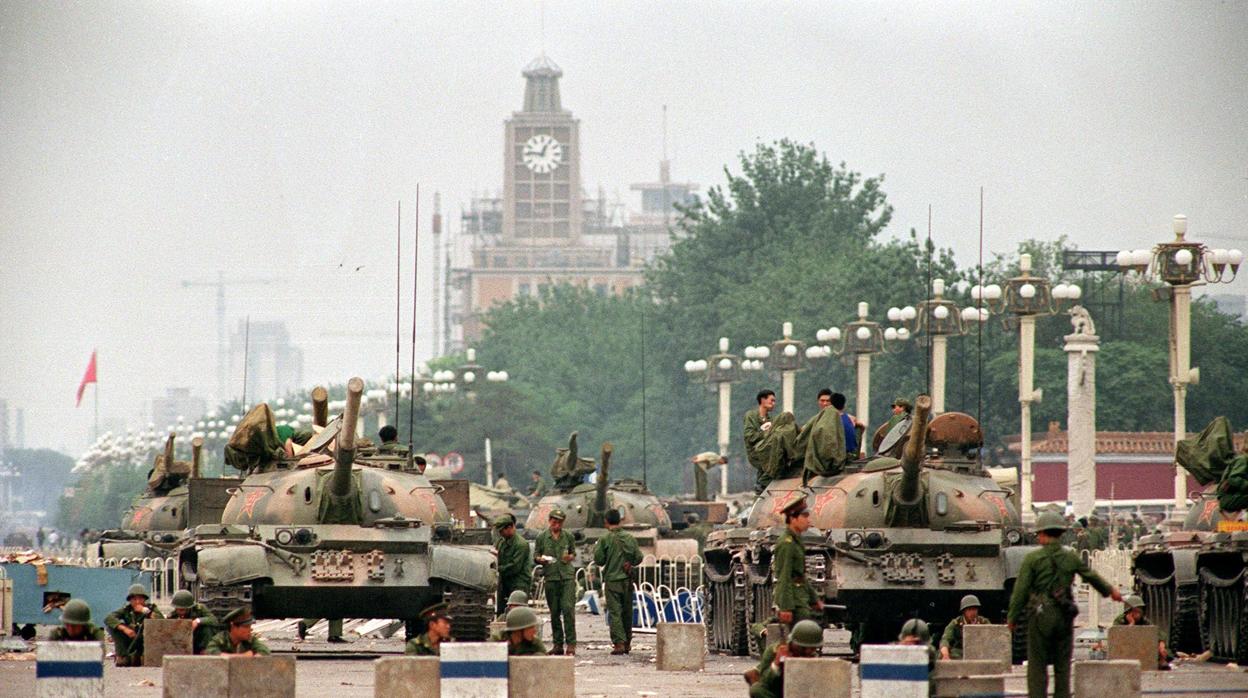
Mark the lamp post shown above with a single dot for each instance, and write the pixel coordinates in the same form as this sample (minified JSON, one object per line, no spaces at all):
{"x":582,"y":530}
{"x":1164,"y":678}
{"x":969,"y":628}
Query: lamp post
{"x":861,"y":339}
{"x":465,"y":378}
{"x":721,"y":370}
{"x":784,"y":355}
{"x":1181,"y":264}
{"x":936,"y":319}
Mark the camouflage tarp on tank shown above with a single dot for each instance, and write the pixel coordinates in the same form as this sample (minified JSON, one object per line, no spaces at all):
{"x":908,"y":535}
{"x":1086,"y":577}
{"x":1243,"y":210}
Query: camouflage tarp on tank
{"x":822,"y":444}
{"x":780,"y":449}
{"x":339,"y":510}
{"x":254,"y":443}
{"x":569,"y":468}
{"x":1209,"y":453}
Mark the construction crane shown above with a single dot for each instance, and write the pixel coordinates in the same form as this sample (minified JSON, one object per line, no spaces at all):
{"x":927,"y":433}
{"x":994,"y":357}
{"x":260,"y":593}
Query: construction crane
{"x":220,"y":285}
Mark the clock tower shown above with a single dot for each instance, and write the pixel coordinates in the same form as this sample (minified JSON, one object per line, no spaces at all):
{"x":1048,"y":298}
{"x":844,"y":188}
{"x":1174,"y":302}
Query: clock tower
{"x":542,"y":165}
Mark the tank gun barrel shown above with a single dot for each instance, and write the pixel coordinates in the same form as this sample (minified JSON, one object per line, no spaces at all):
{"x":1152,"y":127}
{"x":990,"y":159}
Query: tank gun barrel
{"x":340,"y":484}
{"x":163,"y":463}
{"x":604,"y":479}
{"x":912,"y":456}
{"x":197,"y":448}
{"x":320,"y":406}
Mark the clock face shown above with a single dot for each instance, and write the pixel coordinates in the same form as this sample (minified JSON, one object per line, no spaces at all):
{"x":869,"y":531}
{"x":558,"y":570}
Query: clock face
{"x":542,"y":154}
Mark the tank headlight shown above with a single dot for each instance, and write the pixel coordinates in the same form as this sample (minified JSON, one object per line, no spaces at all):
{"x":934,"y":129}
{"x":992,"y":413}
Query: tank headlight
{"x":303,"y":536}
{"x":854,"y":539}
{"x":284,"y":536}
{"x":875,"y":539}
{"x":1013,"y":536}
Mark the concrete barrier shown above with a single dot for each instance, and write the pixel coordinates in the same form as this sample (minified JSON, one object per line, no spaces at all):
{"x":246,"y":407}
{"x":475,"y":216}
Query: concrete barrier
{"x":1138,"y":642}
{"x":680,"y":646}
{"x":262,"y":677}
{"x":1107,"y":679}
{"x":165,"y":636}
{"x":407,"y":677}
{"x":893,"y":671}
{"x":474,"y":669}
{"x":987,"y":642}
{"x":188,"y":676}
{"x":69,"y":669}
{"x":969,"y":676}
{"x":542,"y":677}
{"x":818,"y":677}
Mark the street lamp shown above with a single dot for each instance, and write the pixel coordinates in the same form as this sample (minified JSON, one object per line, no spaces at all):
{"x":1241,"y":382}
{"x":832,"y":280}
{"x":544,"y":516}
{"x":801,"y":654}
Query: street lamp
{"x":936,"y":319}
{"x":465,"y":378}
{"x":861,"y":339}
{"x":1181,"y":264}
{"x":784,"y":355}
{"x":721,"y":370}
{"x":1026,"y":297}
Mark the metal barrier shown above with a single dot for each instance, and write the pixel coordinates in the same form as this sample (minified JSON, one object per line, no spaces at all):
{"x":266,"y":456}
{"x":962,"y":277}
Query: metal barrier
{"x":1114,"y":566}
{"x":666,"y":590}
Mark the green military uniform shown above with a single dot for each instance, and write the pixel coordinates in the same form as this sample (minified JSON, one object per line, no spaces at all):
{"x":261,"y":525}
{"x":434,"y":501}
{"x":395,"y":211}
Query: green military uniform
{"x":221,"y":644}
{"x":752,"y":429}
{"x":124,"y":646}
{"x":526,"y":648}
{"x":770,"y":682}
{"x":560,"y":585}
{"x":515,"y":567}
{"x":421,"y":646}
{"x":335,"y":627}
{"x":952,"y":637}
{"x":611,"y":552}
{"x":208,"y":625}
{"x":1042,"y":593}
{"x":539,"y":488}
{"x":90,"y":633}
{"x":788,"y":564}
{"x":1162,"y":635}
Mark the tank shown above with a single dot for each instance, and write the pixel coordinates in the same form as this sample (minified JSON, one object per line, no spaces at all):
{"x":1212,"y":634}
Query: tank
{"x":340,"y":533}
{"x":890,"y":539}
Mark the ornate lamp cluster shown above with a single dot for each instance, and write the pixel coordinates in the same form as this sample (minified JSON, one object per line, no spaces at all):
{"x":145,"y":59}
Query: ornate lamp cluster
{"x":862,"y":336}
{"x":463,"y":378}
{"x":1181,"y":261}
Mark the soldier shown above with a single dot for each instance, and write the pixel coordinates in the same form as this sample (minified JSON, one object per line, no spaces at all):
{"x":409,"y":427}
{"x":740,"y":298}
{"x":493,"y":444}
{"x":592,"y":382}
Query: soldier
{"x":390,"y":440}
{"x":756,"y":424}
{"x":901,"y":410}
{"x":1042,"y":593}
{"x":539,"y":486}
{"x":335,"y":629}
{"x":76,"y":625}
{"x":522,"y":633}
{"x":515,"y":600}
{"x":515,"y":569}
{"x":767,"y":679}
{"x":203,"y":623}
{"x":615,"y":554}
{"x":1133,"y":614}
{"x":125,"y":625}
{"x":237,"y":637}
{"x":555,"y":551}
{"x":951,"y":640}
{"x":794,"y":600}
{"x":917,"y":633}
{"x":701,"y":463}
{"x":437,"y":631}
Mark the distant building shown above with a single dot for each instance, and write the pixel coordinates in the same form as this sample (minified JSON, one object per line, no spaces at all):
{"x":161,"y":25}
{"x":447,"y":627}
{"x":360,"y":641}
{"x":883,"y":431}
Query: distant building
{"x":177,"y":402}
{"x":19,"y":427}
{"x":4,"y":427}
{"x":274,"y":366}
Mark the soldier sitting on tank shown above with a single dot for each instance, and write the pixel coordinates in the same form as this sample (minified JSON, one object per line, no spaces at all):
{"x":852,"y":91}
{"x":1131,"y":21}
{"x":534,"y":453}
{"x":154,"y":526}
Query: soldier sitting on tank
{"x":437,"y":631}
{"x":766,"y":680}
{"x":237,"y":638}
{"x":901,"y":408}
{"x":203,"y":622}
{"x":951,"y":640}
{"x":76,"y":625}
{"x":1133,"y":614}
{"x":851,"y":424}
{"x":125,"y":625}
{"x":389,"y":436}
{"x":539,"y":488}
{"x":522,"y":639}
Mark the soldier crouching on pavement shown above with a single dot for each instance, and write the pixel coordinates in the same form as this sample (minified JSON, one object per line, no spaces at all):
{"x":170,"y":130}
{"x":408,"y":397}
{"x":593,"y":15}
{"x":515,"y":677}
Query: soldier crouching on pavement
{"x":522,"y":633}
{"x":767,"y":679}
{"x":951,"y":640}
{"x":437,"y":631}
{"x":1133,"y":614}
{"x":203,"y":623}
{"x":125,"y":625}
{"x":237,"y":637}
{"x":76,"y":625}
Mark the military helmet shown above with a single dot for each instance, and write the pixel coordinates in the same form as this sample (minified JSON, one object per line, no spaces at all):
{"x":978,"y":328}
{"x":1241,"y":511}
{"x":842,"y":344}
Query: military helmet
{"x":806,"y":633}
{"x":969,"y":601}
{"x":1134,"y":601}
{"x":557,"y":514}
{"x":521,"y":617}
{"x":76,"y":612}
{"x":916,"y":627}
{"x":137,"y":590}
{"x":1050,"y":521}
{"x":518,"y":598}
{"x":183,"y":599}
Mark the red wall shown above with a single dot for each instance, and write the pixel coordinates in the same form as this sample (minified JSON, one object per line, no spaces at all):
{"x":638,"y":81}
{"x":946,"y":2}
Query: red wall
{"x":1126,"y":480}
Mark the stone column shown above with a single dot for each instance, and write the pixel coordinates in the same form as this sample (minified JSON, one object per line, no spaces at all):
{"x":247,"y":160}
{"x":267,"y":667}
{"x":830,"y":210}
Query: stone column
{"x":1081,"y":347}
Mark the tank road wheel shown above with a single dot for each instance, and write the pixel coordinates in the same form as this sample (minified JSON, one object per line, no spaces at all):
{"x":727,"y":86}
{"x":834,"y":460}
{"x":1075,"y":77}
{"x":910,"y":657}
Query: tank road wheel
{"x":473,"y":611}
{"x":726,"y":630}
{"x":1221,"y":618}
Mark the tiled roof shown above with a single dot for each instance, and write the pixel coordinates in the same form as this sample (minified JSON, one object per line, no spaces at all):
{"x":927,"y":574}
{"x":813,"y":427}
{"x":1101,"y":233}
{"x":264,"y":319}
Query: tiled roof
{"x":1126,"y":442}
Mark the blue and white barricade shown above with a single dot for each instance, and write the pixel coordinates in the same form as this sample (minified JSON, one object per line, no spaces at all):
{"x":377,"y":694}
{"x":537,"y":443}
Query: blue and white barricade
{"x":893,"y":671}
{"x":474,"y":669}
{"x":69,"y":670}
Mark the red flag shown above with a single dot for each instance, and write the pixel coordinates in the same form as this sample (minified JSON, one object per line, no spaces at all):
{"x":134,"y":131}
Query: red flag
{"x":89,"y":377}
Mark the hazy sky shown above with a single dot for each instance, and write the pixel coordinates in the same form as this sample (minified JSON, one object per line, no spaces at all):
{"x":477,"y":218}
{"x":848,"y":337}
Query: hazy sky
{"x":145,"y":143}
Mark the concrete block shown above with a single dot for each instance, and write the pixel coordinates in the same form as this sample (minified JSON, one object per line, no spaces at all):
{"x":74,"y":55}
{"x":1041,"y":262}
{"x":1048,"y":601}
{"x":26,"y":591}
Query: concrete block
{"x":893,"y":671}
{"x":987,"y":642}
{"x":1138,"y":642}
{"x":262,"y":677}
{"x":69,"y":670}
{"x":407,"y":677}
{"x":542,"y":677}
{"x":188,"y":676}
{"x":820,"y":677}
{"x":163,"y":636}
{"x":1108,"y":679}
{"x":969,"y":677}
{"x":474,"y":669}
{"x":680,"y":646}
{"x":962,"y":668}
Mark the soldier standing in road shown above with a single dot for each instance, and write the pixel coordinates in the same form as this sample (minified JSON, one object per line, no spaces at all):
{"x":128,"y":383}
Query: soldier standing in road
{"x":237,"y":637}
{"x":1042,"y":597}
{"x":555,"y":551}
{"x":203,"y":623}
{"x":515,"y":568}
{"x":437,"y":631}
{"x":767,"y":679}
{"x":951,"y":640}
{"x":757,"y":422}
{"x":793,"y":598}
{"x":125,"y":625}
{"x":76,"y":625}
{"x":616,"y":553}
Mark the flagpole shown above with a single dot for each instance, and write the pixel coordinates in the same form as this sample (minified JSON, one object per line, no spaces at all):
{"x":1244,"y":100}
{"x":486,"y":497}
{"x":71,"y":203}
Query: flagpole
{"x":96,"y":396}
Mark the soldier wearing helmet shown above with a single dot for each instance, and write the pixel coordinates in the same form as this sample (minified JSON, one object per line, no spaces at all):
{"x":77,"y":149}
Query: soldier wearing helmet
{"x":951,"y":639}
{"x":516,"y":599}
{"x":125,"y":625}
{"x":554,"y":551}
{"x":522,"y":632}
{"x":76,"y":625}
{"x":203,"y":622}
{"x":1133,"y":614}
{"x":515,"y":565}
{"x":1043,"y":597}
{"x":767,"y":678}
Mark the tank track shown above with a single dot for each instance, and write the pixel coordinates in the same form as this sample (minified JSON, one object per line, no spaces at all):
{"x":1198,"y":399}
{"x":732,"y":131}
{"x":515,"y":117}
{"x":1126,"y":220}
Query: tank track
{"x":758,"y":608}
{"x":732,"y":638}
{"x":473,"y":611}
{"x":1223,"y":628}
{"x":1185,"y":632}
